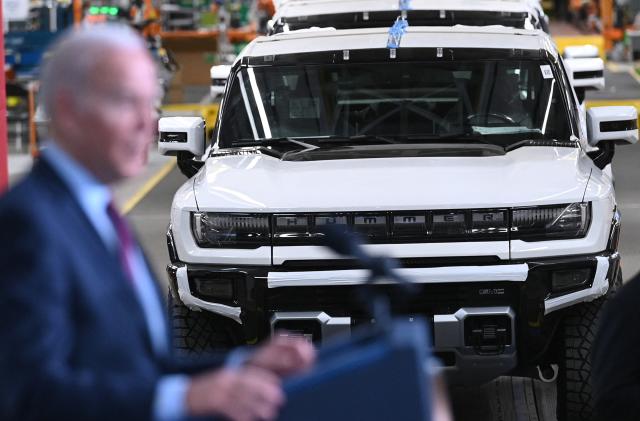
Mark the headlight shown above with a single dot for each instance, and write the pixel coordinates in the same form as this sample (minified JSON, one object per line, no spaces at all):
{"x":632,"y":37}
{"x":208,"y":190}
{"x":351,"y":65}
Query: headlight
{"x":212,"y":230}
{"x":560,"y":222}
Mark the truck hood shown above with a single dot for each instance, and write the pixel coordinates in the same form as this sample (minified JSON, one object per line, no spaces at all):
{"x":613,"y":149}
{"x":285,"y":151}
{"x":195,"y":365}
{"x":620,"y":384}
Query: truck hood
{"x":261,"y":183}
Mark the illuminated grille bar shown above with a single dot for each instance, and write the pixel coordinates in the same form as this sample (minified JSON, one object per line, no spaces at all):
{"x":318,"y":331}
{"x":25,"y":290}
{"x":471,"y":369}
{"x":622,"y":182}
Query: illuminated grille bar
{"x":235,"y":230}
{"x":399,"y":227}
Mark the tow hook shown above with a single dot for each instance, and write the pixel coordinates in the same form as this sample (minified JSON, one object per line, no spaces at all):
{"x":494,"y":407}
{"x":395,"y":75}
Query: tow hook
{"x":548,"y":373}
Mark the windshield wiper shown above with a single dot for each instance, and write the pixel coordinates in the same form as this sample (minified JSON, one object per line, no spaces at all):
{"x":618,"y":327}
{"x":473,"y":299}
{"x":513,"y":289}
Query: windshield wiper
{"x":275,"y":141}
{"x":230,"y":151}
{"x":305,"y":144}
{"x":465,"y":137}
{"x":314,"y":142}
{"x":541,"y":142}
{"x":356,"y":138}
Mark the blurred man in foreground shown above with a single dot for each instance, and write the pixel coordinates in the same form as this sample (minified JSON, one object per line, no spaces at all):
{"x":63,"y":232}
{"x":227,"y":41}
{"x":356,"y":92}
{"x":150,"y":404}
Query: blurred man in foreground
{"x":82,"y":324}
{"x":616,"y":364}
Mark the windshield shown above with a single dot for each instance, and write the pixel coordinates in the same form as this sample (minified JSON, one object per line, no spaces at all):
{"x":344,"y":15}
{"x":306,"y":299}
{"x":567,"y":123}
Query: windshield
{"x":496,"y":101}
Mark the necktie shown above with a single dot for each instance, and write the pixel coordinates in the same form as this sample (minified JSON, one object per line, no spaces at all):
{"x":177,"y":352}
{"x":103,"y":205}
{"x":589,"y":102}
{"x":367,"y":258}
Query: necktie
{"x":142,"y":284}
{"x":125,"y":240}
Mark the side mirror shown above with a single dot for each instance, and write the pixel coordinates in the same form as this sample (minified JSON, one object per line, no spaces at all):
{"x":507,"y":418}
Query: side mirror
{"x":586,"y":73}
{"x":581,"y":51}
{"x":185,"y":138}
{"x":616,"y":124}
{"x":270,"y":26}
{"x":219,"y":76}
{"x":181,"y":134}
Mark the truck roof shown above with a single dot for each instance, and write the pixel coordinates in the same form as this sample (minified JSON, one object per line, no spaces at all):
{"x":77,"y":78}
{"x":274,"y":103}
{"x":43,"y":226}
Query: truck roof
{"x":319,"y":7}
{"x":329,"y":39}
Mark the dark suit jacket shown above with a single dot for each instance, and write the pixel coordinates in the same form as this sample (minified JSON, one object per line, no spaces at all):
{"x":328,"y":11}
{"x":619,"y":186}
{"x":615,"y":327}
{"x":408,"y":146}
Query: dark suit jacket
{"x":615,"y":356}
{"x":73,"y":338}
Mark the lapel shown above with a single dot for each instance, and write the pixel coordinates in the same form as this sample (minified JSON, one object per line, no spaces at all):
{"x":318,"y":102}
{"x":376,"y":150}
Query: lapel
{"x":162,"y":296}
{"x":72,"y":216}
{"x":156,"y":285}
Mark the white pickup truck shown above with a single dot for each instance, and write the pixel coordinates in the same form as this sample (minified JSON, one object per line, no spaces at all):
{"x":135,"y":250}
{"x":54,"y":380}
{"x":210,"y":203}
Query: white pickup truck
{"x":460,"y":152}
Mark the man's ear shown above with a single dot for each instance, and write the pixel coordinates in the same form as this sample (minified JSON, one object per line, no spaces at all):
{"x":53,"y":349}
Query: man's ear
{"x":66,"y":114}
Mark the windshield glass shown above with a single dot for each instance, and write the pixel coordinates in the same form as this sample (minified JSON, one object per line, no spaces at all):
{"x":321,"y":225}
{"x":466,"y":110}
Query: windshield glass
{"x":496,"y":101}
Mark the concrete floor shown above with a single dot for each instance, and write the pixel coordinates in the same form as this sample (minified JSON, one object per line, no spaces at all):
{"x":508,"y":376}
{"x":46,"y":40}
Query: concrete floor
{"x":619,"y":85}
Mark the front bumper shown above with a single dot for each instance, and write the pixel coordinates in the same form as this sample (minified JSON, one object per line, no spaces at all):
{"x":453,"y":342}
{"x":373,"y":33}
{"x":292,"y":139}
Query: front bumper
{"x":322,"y":301}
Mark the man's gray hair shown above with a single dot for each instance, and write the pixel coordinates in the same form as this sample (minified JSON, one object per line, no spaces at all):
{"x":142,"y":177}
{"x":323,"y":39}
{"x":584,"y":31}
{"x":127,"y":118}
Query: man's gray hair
{"x":75,"y":54}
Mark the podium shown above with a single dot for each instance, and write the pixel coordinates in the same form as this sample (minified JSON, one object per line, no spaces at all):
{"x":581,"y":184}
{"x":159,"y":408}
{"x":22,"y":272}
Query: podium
{"x":373,"y":375}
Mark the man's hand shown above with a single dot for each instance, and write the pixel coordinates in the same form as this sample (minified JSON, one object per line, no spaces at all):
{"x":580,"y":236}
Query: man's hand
{"x":440,"y":405}
{"x":244,"y":394}
{"x":253,"y":391}
{"x":284,"y":355}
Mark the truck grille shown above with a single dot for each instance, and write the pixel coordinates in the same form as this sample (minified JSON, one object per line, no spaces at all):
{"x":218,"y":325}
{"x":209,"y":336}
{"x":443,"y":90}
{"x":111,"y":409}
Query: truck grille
{"x":427,"y":300}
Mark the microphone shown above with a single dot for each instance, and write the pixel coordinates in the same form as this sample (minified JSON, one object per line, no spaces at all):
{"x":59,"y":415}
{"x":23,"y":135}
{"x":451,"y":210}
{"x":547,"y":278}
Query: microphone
{"x":349,"y":243}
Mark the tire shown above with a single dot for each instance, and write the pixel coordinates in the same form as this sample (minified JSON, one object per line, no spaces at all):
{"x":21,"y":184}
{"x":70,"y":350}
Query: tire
{"x":196,"y":333}
{"x":580,"y":324}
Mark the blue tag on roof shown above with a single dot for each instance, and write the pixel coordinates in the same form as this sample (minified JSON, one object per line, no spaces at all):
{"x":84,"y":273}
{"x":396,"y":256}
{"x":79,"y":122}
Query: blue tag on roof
{"x":396,"y":32}
{"x":404,"y":4}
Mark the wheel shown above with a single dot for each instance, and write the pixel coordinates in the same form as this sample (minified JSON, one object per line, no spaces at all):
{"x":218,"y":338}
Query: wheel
{"x":197,"y":333}
{"x":579,"y":327}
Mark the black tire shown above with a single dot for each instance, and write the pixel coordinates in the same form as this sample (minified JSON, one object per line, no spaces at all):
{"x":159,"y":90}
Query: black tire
{"x":196,"y":333}
{"x":580,"y":324}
